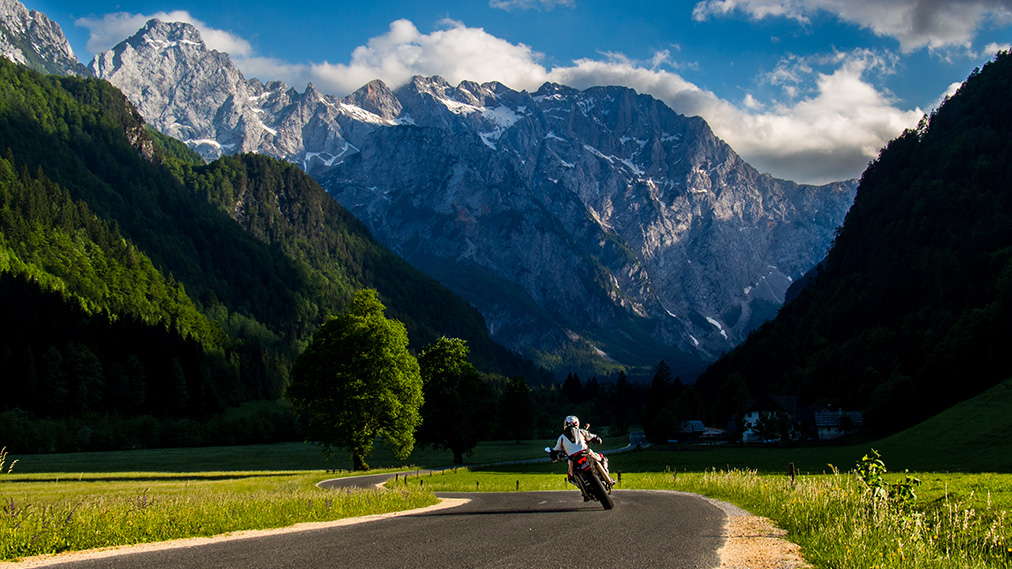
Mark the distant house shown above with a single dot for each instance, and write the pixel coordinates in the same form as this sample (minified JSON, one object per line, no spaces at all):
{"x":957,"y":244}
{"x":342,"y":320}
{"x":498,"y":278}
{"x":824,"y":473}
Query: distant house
{"x":696,"y":432}
{"x":690,"y":431}
{"x":781,"y":408}
{"x":833,"y":423}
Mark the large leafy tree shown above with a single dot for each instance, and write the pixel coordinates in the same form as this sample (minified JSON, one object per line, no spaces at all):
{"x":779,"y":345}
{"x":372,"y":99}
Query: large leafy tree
{"x":357,"y":382}
{"x":457,"y":400}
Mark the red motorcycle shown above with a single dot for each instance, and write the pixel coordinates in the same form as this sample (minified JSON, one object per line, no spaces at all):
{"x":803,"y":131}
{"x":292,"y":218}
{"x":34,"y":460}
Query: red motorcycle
{"x":588,"y":475}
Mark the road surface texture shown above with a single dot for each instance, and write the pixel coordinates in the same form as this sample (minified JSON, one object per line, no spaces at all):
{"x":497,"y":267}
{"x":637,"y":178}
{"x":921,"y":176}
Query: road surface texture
{"x":478,"y":530}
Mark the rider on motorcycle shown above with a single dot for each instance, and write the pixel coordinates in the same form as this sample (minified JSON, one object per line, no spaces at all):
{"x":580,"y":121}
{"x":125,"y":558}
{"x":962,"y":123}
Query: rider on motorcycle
{"x":575,"y":439}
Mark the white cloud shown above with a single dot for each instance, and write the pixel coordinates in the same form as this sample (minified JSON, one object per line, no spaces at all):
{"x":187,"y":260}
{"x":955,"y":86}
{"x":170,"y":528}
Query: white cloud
{"x":528,"y":4}
{"x":827,"y":136}
{"x":455,"y":52}
{"x":111,"y":29}
{"x":272,"y":69}
{"x":993,"y":48}
{"x":914,"y":23}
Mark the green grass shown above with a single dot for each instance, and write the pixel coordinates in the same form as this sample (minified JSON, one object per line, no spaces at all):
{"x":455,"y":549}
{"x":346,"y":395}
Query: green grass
{"x":972,"y":436}
{"x":52,"y":513}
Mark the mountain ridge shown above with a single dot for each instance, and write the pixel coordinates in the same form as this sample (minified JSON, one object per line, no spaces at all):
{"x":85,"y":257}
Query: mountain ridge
{"x":641,"y":220}
{"x":649,"y":238}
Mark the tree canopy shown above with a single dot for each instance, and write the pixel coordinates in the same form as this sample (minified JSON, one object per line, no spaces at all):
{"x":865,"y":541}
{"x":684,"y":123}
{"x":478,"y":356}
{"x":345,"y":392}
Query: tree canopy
{"x":457,"y":410}
{"x":357,"y":381}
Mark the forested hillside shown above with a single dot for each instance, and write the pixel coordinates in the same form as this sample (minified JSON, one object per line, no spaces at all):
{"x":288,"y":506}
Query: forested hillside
{"x":137,"y":284}
{"x":910,"y":312}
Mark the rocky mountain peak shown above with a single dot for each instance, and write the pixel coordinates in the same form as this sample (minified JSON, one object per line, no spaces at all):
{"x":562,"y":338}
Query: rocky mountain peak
{"x":598,"y":222}
{"x":312,"y":94}
{"x":554,"y":91}
{"x":32,"y":39}
{"x":376,"y":98}
{"x":180,"y":86}
{"x":161,"y":35}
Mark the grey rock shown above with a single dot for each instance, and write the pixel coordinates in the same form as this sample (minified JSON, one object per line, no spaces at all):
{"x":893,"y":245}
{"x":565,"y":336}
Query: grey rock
{"x":593,"y":229}
{"x":30,"y":38}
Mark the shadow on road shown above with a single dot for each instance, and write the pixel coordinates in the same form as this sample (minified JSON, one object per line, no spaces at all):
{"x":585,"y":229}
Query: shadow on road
{"x":457,"y":512}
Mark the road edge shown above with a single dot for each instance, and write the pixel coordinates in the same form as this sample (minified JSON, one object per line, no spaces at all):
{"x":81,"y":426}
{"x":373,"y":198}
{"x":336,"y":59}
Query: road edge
{"x":113,"y":551}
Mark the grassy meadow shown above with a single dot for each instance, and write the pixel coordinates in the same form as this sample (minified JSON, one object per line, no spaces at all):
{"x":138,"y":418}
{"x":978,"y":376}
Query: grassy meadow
{"x":54,"y":503}
{"x":52,"y":513}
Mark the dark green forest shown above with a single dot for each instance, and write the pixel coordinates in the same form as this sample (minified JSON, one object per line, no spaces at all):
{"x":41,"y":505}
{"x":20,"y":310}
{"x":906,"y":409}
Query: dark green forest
{"x":145,"y":296}
{"x":910,"y":311}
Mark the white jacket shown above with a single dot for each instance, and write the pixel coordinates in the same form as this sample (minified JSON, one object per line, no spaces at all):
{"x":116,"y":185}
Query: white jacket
{"x":582,"y":442}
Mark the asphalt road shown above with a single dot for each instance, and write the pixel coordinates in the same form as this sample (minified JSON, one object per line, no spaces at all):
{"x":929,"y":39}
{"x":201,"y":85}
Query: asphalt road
{"x":493,"y":530}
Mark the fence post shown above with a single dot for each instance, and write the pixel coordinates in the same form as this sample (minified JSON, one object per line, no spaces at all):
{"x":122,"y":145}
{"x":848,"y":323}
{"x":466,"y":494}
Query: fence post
{"x":674,"y":476}
{"x":619,"y":476}
{"x":791,"y":471}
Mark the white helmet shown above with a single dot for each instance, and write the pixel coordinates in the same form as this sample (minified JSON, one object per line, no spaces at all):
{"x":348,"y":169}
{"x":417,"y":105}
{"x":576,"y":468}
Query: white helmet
{"x":571,"y":421}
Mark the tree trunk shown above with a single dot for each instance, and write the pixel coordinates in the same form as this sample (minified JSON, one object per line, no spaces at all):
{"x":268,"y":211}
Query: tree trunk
{"x":458,"y":456}
{"x":358,"y":461}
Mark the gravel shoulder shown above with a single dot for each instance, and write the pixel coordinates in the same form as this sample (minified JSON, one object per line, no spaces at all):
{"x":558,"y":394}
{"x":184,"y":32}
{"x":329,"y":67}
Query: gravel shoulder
{"x":753,"y":542}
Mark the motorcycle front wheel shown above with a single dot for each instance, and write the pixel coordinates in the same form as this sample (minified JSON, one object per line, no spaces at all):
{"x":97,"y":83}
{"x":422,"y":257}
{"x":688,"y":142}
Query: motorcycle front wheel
{"x":602,"y":495}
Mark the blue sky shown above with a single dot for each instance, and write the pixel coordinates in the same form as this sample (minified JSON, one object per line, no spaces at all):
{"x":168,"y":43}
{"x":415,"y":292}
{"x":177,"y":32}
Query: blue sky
{"x":807,"y":90}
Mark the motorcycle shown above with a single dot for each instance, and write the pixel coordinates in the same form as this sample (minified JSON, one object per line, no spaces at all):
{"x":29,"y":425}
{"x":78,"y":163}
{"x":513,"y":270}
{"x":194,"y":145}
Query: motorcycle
{"x":588,"y":475}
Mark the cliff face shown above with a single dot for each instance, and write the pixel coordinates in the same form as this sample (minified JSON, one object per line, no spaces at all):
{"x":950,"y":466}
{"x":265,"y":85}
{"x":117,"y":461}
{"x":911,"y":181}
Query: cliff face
{"x":606,"y":208}
{"x":591,"y":228}
{"x":32,"y":39}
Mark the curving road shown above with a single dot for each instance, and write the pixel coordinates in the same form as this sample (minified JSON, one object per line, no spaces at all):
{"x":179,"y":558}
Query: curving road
{"x":500,"y":530}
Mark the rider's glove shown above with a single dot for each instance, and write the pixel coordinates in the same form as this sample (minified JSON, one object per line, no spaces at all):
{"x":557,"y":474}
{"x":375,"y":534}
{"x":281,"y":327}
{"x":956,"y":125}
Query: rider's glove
{"x":597,"y":440}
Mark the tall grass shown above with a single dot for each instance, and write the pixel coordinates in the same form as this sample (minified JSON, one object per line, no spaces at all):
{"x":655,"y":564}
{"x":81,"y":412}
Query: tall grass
{"x":838,"y":521}
{"x":4,"y":469}
{"x":42,"y":514}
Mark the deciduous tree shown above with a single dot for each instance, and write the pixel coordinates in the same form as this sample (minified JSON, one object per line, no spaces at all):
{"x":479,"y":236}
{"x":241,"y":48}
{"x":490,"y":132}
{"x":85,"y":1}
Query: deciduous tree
{"x":357,"y":381}
{"x":457,"y":401}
